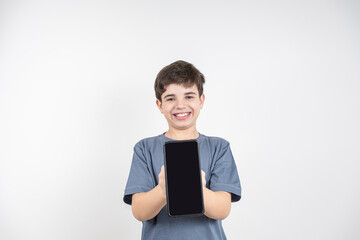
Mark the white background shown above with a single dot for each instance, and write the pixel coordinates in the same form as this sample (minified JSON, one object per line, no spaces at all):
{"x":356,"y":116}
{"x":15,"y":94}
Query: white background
{"x":76,"y":94}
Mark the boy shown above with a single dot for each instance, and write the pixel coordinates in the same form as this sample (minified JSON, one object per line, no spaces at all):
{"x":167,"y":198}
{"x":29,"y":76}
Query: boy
{"x":179,"y":93}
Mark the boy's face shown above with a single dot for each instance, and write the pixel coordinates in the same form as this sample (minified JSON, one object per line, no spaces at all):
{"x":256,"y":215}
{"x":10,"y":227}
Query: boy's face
{"x":181,"y":106}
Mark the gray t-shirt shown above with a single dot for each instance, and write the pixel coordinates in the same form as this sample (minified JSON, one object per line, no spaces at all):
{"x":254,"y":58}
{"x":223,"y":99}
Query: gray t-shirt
{"x":220,"y":174}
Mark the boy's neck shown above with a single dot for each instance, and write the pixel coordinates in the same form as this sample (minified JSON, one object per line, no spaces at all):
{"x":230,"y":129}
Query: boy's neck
{"x":182,"y":134}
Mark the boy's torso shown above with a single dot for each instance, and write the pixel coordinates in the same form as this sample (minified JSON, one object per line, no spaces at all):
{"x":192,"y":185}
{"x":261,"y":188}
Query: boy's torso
{"x":183,"y":227}
{"x":149,"y":156}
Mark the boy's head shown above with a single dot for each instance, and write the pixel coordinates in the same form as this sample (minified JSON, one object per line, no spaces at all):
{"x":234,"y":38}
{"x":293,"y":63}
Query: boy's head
{"x":179,"y":93}
{"x":181,"y":73}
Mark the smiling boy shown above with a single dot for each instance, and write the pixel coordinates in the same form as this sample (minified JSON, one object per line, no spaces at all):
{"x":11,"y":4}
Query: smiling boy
{"x":179,"y":93}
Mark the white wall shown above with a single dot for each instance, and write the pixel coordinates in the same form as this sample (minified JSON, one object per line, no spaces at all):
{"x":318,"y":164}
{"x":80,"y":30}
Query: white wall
{"x":76,"y":93}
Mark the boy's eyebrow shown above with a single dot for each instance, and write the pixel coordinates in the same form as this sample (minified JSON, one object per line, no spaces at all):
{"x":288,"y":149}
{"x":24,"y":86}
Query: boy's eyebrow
{"x":173,"y":95}
{"x":169,"y":95}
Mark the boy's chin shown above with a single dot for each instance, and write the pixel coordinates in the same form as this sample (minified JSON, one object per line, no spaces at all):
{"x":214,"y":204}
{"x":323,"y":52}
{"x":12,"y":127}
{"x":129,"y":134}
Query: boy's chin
{"x":182,"y":127}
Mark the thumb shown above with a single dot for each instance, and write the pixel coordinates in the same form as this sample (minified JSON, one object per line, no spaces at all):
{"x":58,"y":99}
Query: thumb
{"x":203,"y":178}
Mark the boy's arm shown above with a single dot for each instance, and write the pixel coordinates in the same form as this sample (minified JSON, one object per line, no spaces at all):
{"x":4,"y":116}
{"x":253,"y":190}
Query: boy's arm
{"x":147,"y":205}
{"x":217,"y":203}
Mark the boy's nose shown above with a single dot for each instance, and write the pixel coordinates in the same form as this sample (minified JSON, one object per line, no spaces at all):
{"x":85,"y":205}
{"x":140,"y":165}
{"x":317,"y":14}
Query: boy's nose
{"x":180,"y":104}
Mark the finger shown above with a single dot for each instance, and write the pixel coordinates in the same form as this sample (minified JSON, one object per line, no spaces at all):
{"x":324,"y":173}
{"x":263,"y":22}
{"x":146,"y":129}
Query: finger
{"x":203,"y":180}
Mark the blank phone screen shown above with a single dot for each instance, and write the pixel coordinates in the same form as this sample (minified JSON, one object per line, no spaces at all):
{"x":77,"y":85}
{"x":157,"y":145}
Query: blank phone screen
{"x":183,"y":178}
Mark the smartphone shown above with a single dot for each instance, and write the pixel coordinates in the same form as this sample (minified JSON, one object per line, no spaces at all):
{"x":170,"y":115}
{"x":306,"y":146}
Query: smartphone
{"x":184,"y":192}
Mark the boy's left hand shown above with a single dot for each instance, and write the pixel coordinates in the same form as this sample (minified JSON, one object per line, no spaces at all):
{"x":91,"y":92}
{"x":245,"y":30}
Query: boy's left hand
{"x":217,"y":204}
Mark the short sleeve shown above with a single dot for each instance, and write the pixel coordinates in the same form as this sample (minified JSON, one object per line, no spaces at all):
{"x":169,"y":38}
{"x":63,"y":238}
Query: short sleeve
{"x":224,"y":176}
{"x":140,"y":179}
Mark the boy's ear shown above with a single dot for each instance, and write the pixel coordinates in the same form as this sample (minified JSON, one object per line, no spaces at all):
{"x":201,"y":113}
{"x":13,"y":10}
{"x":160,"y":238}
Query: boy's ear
{"x":202,"y":99}
{"x":159,"y":105}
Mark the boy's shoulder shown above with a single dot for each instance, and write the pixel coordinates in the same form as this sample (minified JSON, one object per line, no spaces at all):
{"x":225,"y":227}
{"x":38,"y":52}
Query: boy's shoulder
{"x":161,"y":139}
{"x":216,"y":143}
{"x":149,"y":141}
{"x":216,"y":139}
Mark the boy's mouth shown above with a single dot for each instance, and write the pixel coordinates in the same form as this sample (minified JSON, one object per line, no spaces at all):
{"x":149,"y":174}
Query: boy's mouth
{"x":182,"y":116}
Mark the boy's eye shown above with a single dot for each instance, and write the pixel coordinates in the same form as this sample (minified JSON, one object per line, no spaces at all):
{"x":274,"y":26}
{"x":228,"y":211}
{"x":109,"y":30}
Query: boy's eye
{"x":170,"y":99}
{"x":189,"y":97}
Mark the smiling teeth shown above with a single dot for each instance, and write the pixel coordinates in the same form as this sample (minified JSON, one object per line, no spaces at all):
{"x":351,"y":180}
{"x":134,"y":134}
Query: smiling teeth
{"x":182,"y":114}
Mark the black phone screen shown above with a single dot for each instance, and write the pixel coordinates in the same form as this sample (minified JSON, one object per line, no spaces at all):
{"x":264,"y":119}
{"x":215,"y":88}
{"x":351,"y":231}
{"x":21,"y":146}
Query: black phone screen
{"x":183,"y":178}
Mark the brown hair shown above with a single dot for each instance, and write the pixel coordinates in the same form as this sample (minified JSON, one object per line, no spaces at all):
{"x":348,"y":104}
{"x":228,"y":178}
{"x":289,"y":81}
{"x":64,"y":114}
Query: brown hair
{"x":179,"y":72}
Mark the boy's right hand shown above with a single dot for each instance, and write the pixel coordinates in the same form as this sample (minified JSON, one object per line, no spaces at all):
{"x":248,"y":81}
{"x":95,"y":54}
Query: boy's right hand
{"x":146,"y":205}
{"x":162,"y":183}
